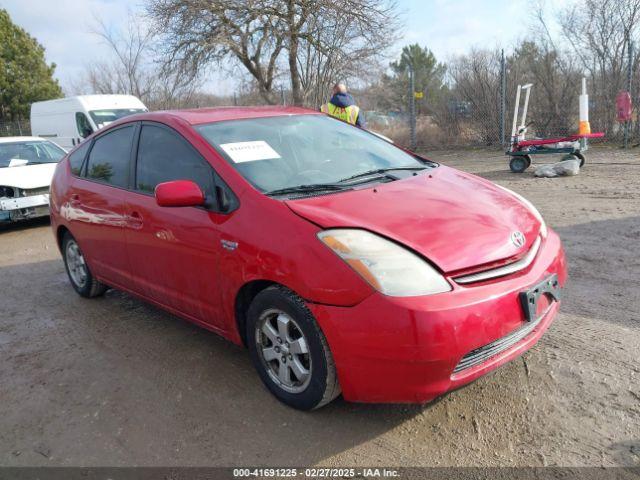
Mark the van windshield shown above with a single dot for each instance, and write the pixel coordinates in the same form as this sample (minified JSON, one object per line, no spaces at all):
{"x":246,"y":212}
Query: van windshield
{"x":284,"y":152}
{"x":102,"y":118}
{"x":17,"y":154}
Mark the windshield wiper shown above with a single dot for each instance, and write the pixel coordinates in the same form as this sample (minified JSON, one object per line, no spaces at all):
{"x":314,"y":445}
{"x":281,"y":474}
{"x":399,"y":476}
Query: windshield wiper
{"x":315,"y":187}
{"x":379,"y":171}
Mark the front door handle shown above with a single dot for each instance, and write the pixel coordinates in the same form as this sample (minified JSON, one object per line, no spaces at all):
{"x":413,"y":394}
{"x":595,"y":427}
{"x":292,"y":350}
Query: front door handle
{"x":135,"y":220}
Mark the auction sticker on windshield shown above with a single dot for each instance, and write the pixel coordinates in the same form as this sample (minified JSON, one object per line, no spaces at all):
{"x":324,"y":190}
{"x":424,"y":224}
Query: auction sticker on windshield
{"x":249,"y":151}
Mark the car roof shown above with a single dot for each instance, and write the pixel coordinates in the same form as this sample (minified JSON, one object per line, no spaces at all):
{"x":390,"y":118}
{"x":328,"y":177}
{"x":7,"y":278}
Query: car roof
{"x":21,"y":139}
{"x":218,"y":114}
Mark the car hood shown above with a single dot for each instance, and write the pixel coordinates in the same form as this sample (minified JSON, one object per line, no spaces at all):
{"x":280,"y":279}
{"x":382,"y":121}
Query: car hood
{"x":27,"y":176}
{"x":456,"y":220}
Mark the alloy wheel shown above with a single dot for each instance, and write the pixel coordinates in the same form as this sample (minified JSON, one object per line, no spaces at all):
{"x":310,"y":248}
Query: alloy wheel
{"x":76,"y":264}
{"x":283,"y":350}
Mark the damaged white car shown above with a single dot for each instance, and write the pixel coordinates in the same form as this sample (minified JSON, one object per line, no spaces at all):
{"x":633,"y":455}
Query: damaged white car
{"x":26,"y":167}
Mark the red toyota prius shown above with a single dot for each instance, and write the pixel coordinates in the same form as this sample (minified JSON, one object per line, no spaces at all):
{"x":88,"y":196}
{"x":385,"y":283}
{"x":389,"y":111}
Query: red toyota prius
{"x":344,"y":263}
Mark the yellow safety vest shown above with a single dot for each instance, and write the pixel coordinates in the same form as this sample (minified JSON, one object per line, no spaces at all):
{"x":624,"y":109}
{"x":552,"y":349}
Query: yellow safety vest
{"x":346,"y":114}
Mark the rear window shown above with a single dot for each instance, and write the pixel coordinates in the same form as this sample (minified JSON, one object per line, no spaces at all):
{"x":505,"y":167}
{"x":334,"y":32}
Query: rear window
{"x":110,"y":157}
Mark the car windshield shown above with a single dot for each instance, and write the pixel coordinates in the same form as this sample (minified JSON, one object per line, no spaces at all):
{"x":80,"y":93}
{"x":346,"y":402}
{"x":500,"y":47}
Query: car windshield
{"x":15,"y":154}
{"x":102,"y":118}
{"x":284,"y":152}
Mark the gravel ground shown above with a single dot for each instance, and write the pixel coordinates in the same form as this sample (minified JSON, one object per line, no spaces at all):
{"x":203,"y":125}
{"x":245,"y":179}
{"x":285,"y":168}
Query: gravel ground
{"x":114,"y":381}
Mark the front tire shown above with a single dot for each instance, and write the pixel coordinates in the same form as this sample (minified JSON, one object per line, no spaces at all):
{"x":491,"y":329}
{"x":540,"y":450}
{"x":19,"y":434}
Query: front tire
{"x":289,"y":350}
{"x":78,"y":271}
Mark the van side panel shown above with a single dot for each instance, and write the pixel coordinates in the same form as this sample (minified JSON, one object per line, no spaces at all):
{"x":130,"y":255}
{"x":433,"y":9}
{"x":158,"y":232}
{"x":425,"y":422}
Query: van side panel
{"x":59,"y":127}
{"x":56,"y":119}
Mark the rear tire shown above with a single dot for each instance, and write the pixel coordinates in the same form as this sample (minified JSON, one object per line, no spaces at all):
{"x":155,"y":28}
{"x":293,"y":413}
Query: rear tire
{"x":520,"y":163}
{"x":289,"y":350}
{"x":78,"y":271}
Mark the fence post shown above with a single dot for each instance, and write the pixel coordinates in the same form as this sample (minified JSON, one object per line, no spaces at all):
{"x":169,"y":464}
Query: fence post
{"x":629,"y":78}
{"x":19,"y":127}
{"x":503,"y":97}
{"x":412,"y":104}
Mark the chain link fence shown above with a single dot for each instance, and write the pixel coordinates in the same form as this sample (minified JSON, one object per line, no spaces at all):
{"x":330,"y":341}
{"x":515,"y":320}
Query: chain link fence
{"x":459,"y":122}
{"x":477,"y":110}
{"x":15,"y":128}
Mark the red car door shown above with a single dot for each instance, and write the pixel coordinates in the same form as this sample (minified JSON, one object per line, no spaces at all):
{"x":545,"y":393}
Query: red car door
{"x":173,"y":251}
{"x":97,"y":207}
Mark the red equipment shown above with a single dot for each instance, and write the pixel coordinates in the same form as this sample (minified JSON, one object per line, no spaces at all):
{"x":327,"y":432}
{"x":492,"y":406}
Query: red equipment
{"x":624,"y":106}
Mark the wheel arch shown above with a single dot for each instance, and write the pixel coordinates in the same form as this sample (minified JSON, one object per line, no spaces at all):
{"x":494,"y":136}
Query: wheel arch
{"x":60,"y":232}
{"x":243,"y":299}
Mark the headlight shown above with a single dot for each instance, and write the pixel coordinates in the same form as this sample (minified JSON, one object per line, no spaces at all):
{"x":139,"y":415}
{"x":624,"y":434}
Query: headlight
{"x":388,"y":267}
{"x":532,"y":209}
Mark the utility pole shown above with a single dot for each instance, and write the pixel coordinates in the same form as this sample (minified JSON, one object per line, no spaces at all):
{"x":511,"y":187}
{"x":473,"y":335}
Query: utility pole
{"x":412,"y":103}
{"x":503,"y":97}
{"x":629,"y":79}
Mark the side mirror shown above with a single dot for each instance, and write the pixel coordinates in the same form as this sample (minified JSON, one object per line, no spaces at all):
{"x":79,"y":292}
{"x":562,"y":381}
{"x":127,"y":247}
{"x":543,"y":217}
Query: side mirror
{"x":179,"y":193}
{"x":86,"y":132}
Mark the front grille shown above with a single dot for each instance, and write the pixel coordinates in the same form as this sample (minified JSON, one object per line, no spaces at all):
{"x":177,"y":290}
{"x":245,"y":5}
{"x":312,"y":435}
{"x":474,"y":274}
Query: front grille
{"x":508,"y":269}
{"x":479,"y":355}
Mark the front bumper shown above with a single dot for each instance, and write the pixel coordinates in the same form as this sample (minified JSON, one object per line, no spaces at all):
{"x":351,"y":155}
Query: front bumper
{"x":20,"y":208}
{"x":405,"y":350}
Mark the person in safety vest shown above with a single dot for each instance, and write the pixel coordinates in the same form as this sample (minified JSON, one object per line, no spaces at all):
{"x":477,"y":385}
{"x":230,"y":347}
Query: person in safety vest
{"x":343,"y":106}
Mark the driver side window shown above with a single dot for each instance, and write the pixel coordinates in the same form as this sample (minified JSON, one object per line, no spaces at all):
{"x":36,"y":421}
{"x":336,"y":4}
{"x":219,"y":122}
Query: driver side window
{"x":164,"y":156}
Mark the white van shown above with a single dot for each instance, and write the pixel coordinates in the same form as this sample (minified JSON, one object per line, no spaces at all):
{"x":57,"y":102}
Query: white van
{"x":67,"y":121}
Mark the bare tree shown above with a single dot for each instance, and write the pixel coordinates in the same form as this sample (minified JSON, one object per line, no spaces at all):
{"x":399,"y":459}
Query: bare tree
{"x":317,"y":39}
{"x":344,"y":47}
{"x":132,"y":69}
{"x":599,"y":32}
{"x":554,"y":103}
{"x":475,"y":95}
{"x":127,"y":71}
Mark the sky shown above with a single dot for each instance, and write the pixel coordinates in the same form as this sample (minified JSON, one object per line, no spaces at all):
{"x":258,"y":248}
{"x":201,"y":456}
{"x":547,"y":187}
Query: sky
{"x":447,"y":27}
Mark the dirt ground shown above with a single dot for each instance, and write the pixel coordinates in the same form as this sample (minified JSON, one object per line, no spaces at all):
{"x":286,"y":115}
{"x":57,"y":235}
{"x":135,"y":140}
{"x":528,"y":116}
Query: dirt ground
{"x":113,"y":381}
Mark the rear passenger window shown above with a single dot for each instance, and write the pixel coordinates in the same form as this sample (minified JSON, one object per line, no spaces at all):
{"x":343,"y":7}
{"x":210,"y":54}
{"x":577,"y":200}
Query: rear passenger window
{"x":164,"y":156}
{"x":109,"y":158}
{"x":77,"y":157}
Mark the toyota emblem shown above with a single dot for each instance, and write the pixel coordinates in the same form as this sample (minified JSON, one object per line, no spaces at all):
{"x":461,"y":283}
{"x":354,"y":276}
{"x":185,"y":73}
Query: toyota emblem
{"x":518,"y":239}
